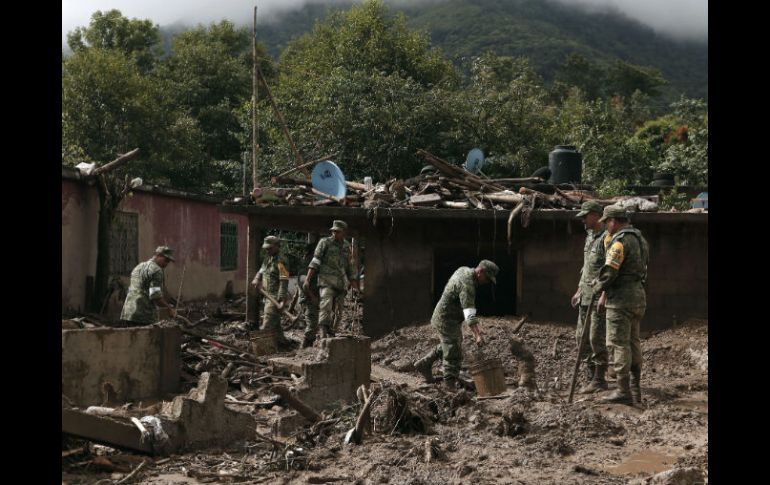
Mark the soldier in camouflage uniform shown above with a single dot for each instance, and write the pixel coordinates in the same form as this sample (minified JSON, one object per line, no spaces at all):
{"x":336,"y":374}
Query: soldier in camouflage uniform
{"x":623,"y":279}
{"x":146,"y":288}
{"x":310,"y":301}
{"x":331,"y":263}
{"x":458,"y":298}
{"x":274,"y":277}
{"x":595,"y":355}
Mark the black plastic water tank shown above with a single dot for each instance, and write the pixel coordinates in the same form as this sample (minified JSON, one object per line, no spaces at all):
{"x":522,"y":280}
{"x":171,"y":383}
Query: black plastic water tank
{"x":662,"y":179}
{"x":566,"y":165}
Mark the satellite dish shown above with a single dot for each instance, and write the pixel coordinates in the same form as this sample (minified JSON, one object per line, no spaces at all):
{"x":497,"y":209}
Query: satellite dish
{"x":701,"y":202}
{"x":328,"y":178}
{"x":474,"y":161}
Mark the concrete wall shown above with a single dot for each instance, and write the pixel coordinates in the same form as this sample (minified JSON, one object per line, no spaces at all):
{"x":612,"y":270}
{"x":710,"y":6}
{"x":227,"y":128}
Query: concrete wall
{"x":79,"y":216}
{"x":140,"y":363}
{"x":551,"y":256}
{"x":407,"y":251}
{"x":191,"y":227}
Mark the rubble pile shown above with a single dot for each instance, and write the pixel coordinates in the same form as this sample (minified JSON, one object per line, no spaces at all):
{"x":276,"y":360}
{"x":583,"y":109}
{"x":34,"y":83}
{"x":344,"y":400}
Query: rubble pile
{"x":446,"y":186}
{"x":423,"y":433}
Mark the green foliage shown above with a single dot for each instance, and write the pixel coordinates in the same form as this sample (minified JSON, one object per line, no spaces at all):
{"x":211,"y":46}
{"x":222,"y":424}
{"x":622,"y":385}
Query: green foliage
{"x":112,"y":31}
{"x":106,"y":103}
{"x":673,"y":200}
{"x":364,"y":85}
{"x":685,"y":149}
{"x":601,"y":130}
{"x":612,"y":188}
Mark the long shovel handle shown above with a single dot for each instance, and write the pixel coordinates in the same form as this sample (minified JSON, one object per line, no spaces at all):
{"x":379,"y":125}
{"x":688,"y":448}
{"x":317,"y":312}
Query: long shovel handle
{"x":581,"y":346}
{"x":283,"y":310}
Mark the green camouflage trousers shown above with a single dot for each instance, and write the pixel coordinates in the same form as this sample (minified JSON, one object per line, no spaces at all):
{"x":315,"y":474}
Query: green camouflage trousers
{"x":596,"y":349}
{"x":271,"y":319}
{"x":329,"y":299}
{"x":450,"y":348}
{"x":623,"y":338}
{"x":310,"y":312}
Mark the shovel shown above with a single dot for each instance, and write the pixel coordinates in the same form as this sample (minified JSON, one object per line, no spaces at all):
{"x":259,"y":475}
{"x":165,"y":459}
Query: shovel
{"x":355,"y":434}
{"x":293,"y":318}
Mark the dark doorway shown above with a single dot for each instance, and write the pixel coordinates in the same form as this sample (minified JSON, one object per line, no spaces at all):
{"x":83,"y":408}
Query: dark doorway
{"x":491,"y":300}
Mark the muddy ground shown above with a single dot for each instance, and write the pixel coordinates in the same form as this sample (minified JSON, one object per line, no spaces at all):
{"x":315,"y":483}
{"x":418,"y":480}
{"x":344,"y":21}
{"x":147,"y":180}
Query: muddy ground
{"x":526,"y":437}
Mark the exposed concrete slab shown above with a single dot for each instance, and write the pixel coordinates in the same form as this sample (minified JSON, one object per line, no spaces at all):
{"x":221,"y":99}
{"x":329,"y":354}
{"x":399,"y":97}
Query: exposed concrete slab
{"x":197,"y":420}
{"x":201,"y":419}
{"x":331,"y":372}
{"x":139,"y":362}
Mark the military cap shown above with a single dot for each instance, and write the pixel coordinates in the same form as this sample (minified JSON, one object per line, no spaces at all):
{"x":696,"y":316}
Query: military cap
{"x":166,"y":252}
{"x":589,"y":206}
{"x":270,"y":241}
{"x":615,"y":212}
{"x":339,"y":226}
{"x":490,"y":269}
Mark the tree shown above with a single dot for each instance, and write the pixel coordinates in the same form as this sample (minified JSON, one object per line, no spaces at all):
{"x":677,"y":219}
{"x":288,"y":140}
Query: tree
{"x":579,"y":72}
{"x":623,"y":79}
{"x":687,"y":154}
{"x":603,"y":131}
{"x":363,"y":85}
{"x":112,"y":31}
{"x":209,"y":76}
{"x":107,"y":105}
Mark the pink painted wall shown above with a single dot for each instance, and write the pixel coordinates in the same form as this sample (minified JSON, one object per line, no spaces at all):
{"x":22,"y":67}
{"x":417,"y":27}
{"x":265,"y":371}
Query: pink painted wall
{"x":190,"y":227}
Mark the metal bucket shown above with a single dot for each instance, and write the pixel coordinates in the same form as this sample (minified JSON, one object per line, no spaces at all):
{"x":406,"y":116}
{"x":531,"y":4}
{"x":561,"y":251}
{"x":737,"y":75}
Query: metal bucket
{"x":489,"y":377}
{"x":263,"y":342}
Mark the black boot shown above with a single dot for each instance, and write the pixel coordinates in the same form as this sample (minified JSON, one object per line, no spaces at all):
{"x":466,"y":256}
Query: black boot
{"x":598,"y":382}
{"x":452,"y":383}
{"x":635,"y":384}
{"x":424,"y":365}
{"x":622,"y":394}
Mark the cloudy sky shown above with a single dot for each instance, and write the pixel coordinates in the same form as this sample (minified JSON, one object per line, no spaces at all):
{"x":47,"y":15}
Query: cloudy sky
{"x":686,"y":19}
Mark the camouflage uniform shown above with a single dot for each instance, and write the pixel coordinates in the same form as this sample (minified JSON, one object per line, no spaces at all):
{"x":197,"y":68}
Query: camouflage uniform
{"x":459,"y":294}
{"x":623,"y":278}
{"x":332,"y":261}
{"x":275,"y":280}
{"x":310,"y":308}
{"x":146,"y":285}
{"x":593,"y":260}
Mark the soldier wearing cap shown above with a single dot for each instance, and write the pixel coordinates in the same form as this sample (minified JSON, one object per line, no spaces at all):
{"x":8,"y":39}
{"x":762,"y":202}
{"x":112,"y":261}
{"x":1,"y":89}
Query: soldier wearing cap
{"x":274,"y":278}
{"x":331,"y":263}
{"x":595,"y":355}
{"x":622,"y":279}
{"x":458,"y":298}
{"x":146,"y":288}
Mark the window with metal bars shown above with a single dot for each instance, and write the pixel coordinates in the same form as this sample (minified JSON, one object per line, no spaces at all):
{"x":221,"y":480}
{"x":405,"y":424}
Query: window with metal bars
{"x":228,"y":246}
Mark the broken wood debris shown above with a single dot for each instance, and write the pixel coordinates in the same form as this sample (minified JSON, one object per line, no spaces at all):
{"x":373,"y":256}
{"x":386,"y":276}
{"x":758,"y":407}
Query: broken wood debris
{"x":449,"y":186}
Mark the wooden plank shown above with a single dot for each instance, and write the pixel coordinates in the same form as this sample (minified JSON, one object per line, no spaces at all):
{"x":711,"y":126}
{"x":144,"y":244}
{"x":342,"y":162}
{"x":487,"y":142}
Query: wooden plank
{"x":103,"y":430}
{"x":427,"y":199}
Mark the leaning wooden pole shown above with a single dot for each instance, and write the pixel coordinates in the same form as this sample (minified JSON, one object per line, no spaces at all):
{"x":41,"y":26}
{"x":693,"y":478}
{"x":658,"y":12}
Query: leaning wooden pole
{"x":282,"y":122}
{"x":254,"y":99}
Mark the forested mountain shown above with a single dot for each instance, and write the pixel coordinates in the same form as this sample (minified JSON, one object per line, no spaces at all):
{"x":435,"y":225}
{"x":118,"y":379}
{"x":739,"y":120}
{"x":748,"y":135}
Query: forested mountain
{"x":544,"y":31}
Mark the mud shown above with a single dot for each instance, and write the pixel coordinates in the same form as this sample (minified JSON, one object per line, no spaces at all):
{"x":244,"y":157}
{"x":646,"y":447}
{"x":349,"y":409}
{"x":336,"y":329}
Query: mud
{"x":526,"y":437}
